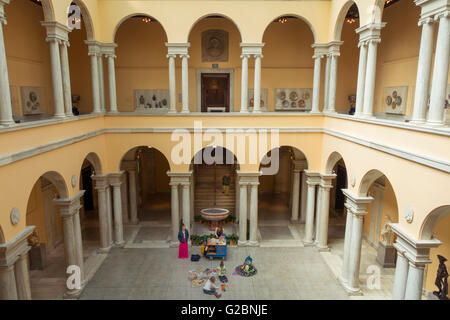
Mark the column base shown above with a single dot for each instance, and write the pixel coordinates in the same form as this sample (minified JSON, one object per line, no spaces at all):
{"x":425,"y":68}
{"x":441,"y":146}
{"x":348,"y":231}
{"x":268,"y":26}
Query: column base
{"x":172,"y":111}
{"x":242,"y":243}
{"x":244,"y":111}
{"x":59,"y":116}
{"x":173,"y":244}
{"x":308,"y":243}
{"x":435,"y":123}
{"x":418,"y":122}
{"x":352,"y":291}
{"x":323,"y":248}
{"x":7,"y":123}
{"x":112,"y":112}
{"x":185,"y":111}
{"x":315,"y":112}
{"x":104,"y":250}
{"x":296,"y":221}
{"x":256,"y":111}
{"x":120,"y":244}
{"x":253,"y":243}
{"x":73,"y":294}
{"x":135,"y":222}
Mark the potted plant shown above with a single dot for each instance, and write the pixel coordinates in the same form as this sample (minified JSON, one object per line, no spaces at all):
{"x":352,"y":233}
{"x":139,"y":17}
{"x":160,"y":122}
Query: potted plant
{"x":233,"y":239}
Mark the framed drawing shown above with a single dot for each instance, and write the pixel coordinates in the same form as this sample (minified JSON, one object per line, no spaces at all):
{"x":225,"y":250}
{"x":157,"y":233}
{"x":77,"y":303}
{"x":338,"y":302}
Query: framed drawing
{"x":293,"y":99}
{"x":152,"y":100}
{"x":214,"y":45}
{"x":395,"y":100}
{"x":263,"y":102}
{"x":31,"y":100}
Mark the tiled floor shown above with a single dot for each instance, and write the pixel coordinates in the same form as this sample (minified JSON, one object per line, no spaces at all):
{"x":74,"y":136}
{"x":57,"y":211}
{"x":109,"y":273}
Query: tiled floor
{"x":283,"y":273}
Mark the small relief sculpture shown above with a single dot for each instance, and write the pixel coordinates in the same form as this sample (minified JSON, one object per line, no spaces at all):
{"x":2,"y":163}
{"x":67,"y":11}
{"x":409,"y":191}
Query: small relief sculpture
{"x":387,"y":235}
{"x":395,"y":100}
{"x":31,"y":100}
{"x":33,"y":239}
{"x":214,"y":45}
{"x":441,"y":279}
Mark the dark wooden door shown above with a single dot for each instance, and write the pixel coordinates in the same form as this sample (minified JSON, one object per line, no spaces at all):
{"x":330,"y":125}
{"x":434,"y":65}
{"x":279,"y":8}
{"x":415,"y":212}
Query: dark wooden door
{"x":215,"y":92}
{"x":341,"y":183}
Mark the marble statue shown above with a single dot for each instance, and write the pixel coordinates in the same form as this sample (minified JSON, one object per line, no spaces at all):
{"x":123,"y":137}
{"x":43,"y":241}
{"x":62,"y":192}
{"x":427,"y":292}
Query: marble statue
{"x":387,"y":235}
{"x":33,"y":239}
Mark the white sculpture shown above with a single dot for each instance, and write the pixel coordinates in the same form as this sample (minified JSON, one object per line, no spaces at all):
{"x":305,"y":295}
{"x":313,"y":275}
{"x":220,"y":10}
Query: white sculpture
{"x":387,"y":235}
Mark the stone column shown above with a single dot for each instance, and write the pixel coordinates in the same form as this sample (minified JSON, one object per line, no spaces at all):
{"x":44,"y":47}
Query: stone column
{"x":414,"y":283}
{"x":67,"y":92}
{"x":327,"y":82}
{"x":6,"y":118}
{"x":186,"y":204}
{"x":325,"y":186}
{"x":253,"y":241}
{"x":73,"y":244}
{"x":172,"y":86}
{"x":185,"y":82}
{"x":401,"y":274}
{"x":347,"y":240}
{"x":316,"y":85}
{"x":361,"y":78}
{"x":94,"y":50}
{"x":116,"y":182}
{"x":8,"y":289}
{"x":370,"y":33}
{"x":295,"y":196}
{"x":109,"y":51}
{"x":244,"y":83}
{"x":133,"y":196}
{"x":100,"y":186}
{"x":109,"y":214}
{"x":356,"y":206}
{"x":175,"y":212}
{"x":125,"y":200}
{"x":317,"y":212}
{"x":23,"y":277}
{"x":257,"y":84}
{"x":242,"y":212}
{"x":58,"y":98}
{"x":423,"y":71}
{"x":333,"y":79}
{"x":101,"y":81}
{"x":312,"y":179}
{"x":440,"y":71}
{"x":303,"y":198}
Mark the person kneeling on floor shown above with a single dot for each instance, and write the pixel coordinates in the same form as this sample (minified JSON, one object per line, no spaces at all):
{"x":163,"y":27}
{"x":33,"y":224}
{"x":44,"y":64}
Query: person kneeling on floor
{"x":211,"y":288}
{"x":221,"y":272}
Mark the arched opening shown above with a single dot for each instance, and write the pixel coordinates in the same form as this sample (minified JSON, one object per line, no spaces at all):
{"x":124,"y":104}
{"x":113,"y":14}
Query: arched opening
{"x":281,"y":192}
{"x":337,"y":210}
{"x":214,"y":185}
{"x":146,"y":193}
{"x":287,"y":67}
{"x":46,"y":257}
{"x":79,"y":60}
{"x":347,"y":77}
{"x":436,"y":225}
{"x":28,"y":60}
{"x":215,"y":55}
{"x":89,"y":214}
{"x":141,"y":66}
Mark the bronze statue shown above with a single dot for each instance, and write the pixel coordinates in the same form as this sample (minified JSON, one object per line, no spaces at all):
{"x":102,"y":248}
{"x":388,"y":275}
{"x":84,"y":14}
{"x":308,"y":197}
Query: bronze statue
{"x":441,"y":279}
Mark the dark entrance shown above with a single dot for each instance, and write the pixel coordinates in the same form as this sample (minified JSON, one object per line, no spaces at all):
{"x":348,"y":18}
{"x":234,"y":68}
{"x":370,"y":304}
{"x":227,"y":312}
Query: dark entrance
{"x":215,"y":92}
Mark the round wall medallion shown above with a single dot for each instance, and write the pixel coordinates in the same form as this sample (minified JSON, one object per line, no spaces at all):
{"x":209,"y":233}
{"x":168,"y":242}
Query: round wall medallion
{"x":15,"y":216}
{"x":74,"y":181}
{"x":409,"y":214}
{"x":353,"y":181}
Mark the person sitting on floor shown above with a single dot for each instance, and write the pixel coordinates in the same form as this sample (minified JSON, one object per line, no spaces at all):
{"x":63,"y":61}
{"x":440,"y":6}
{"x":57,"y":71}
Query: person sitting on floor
{"x":211,"y":288}
{"x":221,"y":272}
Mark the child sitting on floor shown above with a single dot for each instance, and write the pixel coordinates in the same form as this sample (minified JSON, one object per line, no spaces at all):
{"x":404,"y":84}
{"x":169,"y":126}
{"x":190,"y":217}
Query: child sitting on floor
{"x":211,"y":288}
{"x":221,"y":271}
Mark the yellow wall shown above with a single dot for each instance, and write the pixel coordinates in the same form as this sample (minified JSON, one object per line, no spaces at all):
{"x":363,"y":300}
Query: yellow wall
{"x":35,"y":212}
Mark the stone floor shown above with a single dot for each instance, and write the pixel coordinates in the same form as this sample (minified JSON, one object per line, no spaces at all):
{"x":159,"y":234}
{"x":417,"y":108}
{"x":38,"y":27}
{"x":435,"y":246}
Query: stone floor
{"x":283,"y":273}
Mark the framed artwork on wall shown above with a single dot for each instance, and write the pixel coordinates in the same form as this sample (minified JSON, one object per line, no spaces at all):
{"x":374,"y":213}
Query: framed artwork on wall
{"x":251,"y":100}
{"x":214,"y":45}
{"x":152,"y":100}
{"x":299,"y":99}
{"x":395,"y":100}
{"x":31,"y":100}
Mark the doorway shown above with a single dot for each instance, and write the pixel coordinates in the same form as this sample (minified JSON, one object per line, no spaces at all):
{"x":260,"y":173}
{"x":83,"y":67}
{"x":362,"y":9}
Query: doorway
{"x":215,"y":94}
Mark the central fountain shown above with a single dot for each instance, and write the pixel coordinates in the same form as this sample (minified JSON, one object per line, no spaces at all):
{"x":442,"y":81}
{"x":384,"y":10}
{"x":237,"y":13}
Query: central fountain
{"x":214,"y":216}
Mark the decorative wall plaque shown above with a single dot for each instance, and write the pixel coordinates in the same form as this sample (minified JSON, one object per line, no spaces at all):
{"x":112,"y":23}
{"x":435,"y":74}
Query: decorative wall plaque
{"x":214,"y":45}
{"x":409,"y":214}
{"x":31,"y":100}
{"x":15,"y":216}
{"x":74,"y":180}
{"x":293,"y":99}
{"x":395,"y":100}
{"x":251,"y":100}
{"x":152,"y":100}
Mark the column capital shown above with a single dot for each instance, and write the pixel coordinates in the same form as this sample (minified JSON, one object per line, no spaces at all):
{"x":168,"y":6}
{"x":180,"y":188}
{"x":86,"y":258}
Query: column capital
{"x":177,"y":48}
{"x":425,"y":20}
{"x":244,"y":55}
{"x":320,"y":50}
{"x":14,"y":248}
{"x":417,"y":251}
{"x":180,"y":178}
{"x":252,"y":49}
{"x":356,"y":204}
{"x":101,"y":182}
{"x":299,"y":165}
{"x":334,"y":48}
{"x":116,"y":178}
{"x":71,"y":206}
{"x":108,"y":49}
{"x":56,"y":31}
{"x":312,"y":178}
{"x":432,"y":8}
{"x":94,"y":47}
{"x":326,"y":180}
{"x":371,"y":31}
{"x":171,"y":55}
{"x":248,"y":178}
